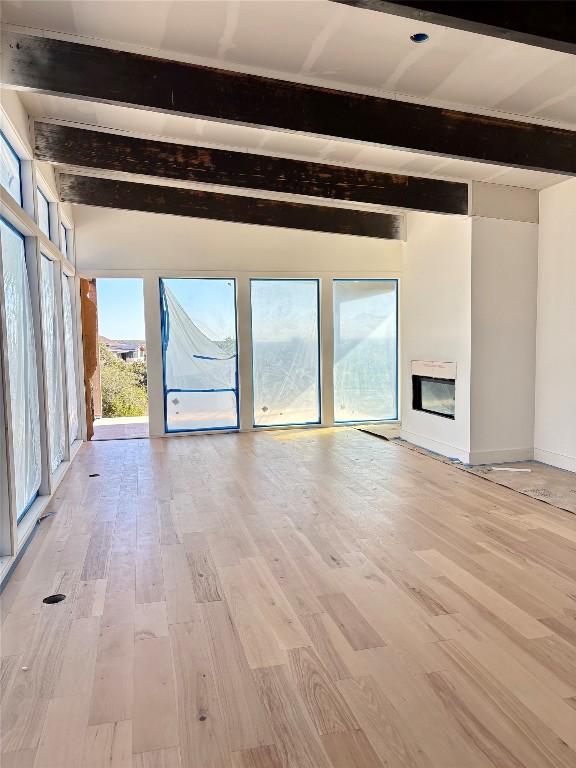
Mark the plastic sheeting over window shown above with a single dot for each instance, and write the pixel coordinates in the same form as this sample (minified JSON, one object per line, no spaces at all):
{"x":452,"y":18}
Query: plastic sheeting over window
{"x":199,"y":353}
{"x":22,"y":374}
{"x":10,"y":170}
{"x":70,"y":358}
{"x":285,"y":353}
{"x":365,"y":350}
{"x":53,"y":362}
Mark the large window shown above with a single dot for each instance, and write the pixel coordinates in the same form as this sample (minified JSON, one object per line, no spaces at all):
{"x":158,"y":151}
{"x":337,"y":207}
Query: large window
{"x":365,"y":350}
{"x":199,"y":354}
{"x":53,"y":362}
{"x":67,"y":287}
{"x":10,"y":170}
{"x":285,"y":352}
{"x":43,"y":213}
{"x":22,"y":375}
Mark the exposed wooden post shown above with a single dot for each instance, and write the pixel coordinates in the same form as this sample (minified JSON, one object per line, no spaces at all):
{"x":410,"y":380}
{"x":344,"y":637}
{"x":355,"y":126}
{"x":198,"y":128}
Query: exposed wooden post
{"x":93,"y":394}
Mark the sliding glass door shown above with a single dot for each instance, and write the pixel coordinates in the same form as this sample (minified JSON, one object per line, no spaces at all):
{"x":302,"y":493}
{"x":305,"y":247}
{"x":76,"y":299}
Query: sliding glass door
{"x":22,"y":373}
{"x":199,"y":354}
{"x":285,"y":352}
{"x":365,"y":350}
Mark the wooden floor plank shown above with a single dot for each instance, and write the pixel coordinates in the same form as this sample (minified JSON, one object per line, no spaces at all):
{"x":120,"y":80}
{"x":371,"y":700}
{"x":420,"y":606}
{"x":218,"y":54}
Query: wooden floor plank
{"x":159,"y":758}
{"x":112,"y":692}
{"x":351,"y":750}
{"x":289,"y":599}
{"x":295,"y":740}
{"x":261,"y":757}
{"x":326,"y":707}
{"x":154,"y":714}
{"x":247,"y":725}
{"x":203,"y":736}
{"x":258,"y":639}
{"x":492,"y":601}
{"x":205,"y":582}
{"x":108,"y":745}
{"x":62,"y":741}
{"x":353,"y":625}
{"x":391,"y":736}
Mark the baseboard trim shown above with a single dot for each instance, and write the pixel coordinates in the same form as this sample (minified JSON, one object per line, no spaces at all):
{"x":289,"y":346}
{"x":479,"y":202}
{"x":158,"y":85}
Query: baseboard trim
{"x":502,"y":456}
{"x":559,"y":460}
{"x":445,"y":449}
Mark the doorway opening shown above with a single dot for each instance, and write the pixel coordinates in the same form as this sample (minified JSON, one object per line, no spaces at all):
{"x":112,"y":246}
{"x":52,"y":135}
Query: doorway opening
{"x":120,"y":391}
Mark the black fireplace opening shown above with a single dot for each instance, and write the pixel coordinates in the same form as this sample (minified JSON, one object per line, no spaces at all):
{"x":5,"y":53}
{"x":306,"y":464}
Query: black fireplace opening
{"x":437,"y":396}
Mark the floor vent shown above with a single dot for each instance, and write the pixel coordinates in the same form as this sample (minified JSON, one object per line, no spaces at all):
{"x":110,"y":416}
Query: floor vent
{"x":51,"y":599}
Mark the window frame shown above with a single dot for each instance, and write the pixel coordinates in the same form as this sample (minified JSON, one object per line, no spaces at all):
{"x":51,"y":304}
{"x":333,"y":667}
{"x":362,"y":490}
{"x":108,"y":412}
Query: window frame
{"x":58,"y":320}
{"x":317,"y":280}
{"x":20,"y":214}
{"x":165,"y":391}
{"x":5,"y":458}
{"x":396,"y":281}
{"x":20,"y":515}
{"x":70,"y":282}
{"x":41,"y":194}
{"x":11,"y":149}
{"x":63,"y":239}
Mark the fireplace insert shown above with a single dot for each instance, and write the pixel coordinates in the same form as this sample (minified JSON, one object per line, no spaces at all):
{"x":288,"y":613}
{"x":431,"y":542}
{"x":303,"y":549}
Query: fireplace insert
{"x":433,"y":395}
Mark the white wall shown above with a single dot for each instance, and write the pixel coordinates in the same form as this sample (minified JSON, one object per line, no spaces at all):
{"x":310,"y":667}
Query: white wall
{"x":436,"y":324}
{"x":114,"y":240}
{"x":469,"y":297}
{"x":555,"y":427}
{"x":14,"y":112}
{"x":504,"y":277}
{"x":497,"y":201}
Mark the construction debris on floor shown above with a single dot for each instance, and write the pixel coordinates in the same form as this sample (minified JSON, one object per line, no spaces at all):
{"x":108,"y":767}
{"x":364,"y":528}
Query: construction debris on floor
{"x":539,"y":481}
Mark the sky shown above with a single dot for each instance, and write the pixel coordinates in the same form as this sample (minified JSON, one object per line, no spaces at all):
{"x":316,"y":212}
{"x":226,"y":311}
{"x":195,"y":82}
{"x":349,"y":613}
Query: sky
{"x":365,"y":308}
{"x":120,"y":308}
{"x":210,"y":303}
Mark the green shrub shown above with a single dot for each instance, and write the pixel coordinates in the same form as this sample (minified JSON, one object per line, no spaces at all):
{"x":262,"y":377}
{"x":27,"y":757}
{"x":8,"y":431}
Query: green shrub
{"x":123,"y":386}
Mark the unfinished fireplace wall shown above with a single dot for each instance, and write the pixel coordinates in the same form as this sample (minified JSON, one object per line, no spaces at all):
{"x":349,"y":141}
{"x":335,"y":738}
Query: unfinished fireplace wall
{"x":436,"y":324}
{"x":504,"y":280}
{"x":469,"y":297}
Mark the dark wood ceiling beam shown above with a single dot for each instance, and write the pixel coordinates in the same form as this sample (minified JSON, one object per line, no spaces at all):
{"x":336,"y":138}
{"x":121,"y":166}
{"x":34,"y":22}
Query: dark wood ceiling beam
{"x":114,"y":152}
{"x":548,"y":24}
{"x":153,"y":198}
{"x":84,"y":71}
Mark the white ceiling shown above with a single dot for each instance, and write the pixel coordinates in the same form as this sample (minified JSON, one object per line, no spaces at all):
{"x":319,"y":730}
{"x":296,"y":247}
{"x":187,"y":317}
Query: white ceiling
{"x":318,"y":42}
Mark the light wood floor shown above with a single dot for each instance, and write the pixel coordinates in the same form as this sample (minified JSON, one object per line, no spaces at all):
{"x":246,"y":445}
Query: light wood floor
{"x":290,"y":599}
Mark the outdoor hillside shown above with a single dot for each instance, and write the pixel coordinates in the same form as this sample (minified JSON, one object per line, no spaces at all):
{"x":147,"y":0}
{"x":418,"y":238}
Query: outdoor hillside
{"x":124,"y":385}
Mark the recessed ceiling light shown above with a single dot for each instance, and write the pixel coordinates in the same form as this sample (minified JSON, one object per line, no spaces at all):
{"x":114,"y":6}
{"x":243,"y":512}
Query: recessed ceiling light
{"x":419,"y":37}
